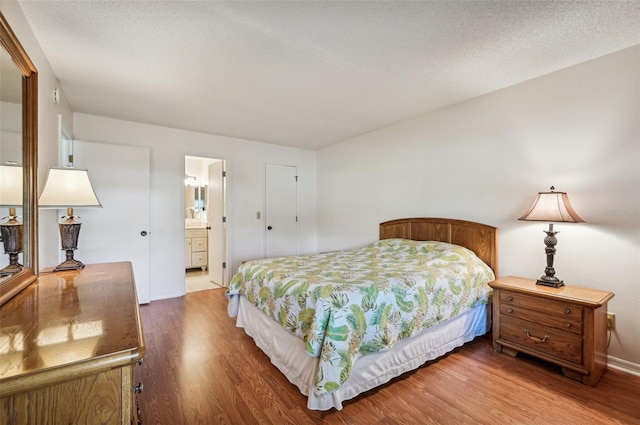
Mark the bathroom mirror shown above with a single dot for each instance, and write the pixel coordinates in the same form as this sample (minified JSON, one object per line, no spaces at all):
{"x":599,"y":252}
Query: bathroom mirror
{"x":195,"y":201}
{"x":18,"y":146}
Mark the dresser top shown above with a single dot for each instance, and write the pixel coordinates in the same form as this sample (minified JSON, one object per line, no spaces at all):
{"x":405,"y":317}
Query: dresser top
{"x":576,"y":294}
{"x":79,"y":321}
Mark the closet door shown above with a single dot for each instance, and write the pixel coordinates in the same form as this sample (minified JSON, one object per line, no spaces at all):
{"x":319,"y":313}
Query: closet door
{"x":281,"y":211}
{"x":119,"y":231}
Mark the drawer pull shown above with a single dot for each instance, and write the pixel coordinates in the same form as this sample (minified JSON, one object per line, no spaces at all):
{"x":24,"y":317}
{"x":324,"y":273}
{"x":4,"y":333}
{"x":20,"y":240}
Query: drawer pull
{"x":138,"y":388}
{"x":509,"y":298}
{"x":567,"y":311}
{"x":509,"y":310}
{"x":543,"y":339}
{"x":567,"y":325}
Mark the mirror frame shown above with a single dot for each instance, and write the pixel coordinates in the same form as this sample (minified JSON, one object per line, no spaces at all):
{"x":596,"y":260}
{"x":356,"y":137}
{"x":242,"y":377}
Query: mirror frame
{"x":15,"y":283}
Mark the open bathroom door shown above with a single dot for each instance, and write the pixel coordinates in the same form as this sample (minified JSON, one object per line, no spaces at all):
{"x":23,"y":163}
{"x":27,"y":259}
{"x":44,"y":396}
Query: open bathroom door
{"x":217,"y":224}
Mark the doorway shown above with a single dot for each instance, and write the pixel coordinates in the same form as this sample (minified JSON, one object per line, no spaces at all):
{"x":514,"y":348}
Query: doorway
{"x":205,"y":223}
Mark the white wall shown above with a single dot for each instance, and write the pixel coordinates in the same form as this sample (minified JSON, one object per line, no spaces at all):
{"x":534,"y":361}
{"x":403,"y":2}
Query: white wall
{"x":484,"y":160}
{"x":48,"y":131}
{"x":246,"y":184}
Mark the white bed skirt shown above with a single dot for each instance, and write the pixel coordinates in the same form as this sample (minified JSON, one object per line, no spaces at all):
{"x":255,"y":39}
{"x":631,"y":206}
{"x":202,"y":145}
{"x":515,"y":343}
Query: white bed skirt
{"x":287,"y":353}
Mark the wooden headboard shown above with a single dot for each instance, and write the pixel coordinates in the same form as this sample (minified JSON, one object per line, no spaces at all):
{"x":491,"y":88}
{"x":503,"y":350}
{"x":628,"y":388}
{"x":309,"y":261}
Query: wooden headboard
{"x":480,"y":238}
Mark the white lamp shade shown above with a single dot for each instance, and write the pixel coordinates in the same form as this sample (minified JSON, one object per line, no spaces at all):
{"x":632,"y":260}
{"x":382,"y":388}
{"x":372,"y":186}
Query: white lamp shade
{"x":11,"y":186}
{"x":552,"y":206}
{"x":68,"y":187}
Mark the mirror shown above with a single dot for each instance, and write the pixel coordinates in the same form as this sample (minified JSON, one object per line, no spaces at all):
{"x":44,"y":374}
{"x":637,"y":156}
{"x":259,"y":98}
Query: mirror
{"x":18,"y":144}
{"x":195,"y":202}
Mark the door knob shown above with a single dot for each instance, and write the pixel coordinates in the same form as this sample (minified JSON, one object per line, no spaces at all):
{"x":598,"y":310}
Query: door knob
{"x":269,"y":227}
{"x":143,"y":233}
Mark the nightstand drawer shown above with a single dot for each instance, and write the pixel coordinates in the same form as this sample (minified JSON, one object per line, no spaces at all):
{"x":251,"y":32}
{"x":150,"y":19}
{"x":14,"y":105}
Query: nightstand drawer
{"x":566,"y":324}
{"x":546,"y":340}
{"x":545,"y":306}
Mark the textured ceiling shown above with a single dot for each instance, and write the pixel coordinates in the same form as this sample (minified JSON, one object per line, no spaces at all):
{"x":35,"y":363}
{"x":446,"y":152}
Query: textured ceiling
{"x":310,"y":74}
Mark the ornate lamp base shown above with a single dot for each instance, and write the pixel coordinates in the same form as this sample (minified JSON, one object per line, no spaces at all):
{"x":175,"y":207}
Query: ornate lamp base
{"x":13,"y":267}
{"x":69,"y":263}
{"x":552,"y":281}
{"x":69,"y":231}
{"x":12,"y":237}
{"x":549,"y":278}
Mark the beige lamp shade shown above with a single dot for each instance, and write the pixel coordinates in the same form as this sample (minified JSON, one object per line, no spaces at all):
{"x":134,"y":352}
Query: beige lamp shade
{"x":11,"y":186}
{"x":552,"y":207}
{"x":68,"y":187}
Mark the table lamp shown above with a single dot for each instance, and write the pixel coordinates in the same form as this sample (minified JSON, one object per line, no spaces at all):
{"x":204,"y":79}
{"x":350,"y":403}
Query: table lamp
{"x":12,"y":229}
{"x":552,"y":207}
{"x":68,"y":188}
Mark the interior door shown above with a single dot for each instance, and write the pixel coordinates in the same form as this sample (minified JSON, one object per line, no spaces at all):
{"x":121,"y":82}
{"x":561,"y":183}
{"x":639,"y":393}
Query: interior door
{"x":119,"y":231}
{"x":281,"y":210}
{"x":217,"y":224}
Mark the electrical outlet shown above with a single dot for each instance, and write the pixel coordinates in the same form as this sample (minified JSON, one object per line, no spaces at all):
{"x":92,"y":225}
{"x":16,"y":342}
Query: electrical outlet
{"x":611,"y":321}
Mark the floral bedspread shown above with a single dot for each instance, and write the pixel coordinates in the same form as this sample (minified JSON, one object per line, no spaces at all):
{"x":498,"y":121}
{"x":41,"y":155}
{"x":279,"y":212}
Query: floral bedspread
{"x":347,"y":304}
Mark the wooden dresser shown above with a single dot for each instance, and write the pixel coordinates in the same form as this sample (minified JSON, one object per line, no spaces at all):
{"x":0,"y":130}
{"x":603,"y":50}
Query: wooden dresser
{"x":69,"y":344}
{"x":566,"y":326}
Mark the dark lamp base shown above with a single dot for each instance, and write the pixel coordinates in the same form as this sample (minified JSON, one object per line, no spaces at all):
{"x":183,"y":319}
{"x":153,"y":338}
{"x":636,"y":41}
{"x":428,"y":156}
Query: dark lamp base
{"x":69,"y":231}
{"x":69,"y":265}
{"x":551,"y":281}
{"x":11,"y":269}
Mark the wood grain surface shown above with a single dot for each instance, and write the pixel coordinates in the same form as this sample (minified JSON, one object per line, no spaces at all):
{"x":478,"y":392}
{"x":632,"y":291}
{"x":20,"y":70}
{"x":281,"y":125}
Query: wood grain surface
{"x":68,"y":343}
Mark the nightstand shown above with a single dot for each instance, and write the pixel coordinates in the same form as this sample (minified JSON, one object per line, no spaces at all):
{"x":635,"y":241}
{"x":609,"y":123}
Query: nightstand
{"x":566,"y":326}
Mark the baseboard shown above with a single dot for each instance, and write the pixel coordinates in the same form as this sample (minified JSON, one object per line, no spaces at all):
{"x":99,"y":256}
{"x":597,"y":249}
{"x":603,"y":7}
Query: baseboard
{"x":623,"y":365}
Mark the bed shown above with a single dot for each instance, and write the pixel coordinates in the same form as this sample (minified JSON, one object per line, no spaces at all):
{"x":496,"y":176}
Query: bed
{"x":338,"y":324}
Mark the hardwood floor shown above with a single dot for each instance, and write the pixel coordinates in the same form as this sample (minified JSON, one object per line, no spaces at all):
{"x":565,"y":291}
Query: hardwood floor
{"x":201,"y":369}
